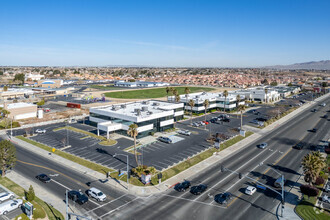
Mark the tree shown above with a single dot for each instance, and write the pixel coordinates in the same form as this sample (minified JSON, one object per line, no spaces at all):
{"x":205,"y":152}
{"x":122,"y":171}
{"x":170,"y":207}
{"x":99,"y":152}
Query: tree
{"x":225,"y":94}
{"x":309,"y":190}
{"x":41,"y":103}
{"x":191,"y":103}
{"x":290,"y":84}
{"x":312,"y":164}
{"x":177,"y":98}
{"x":206,"y":104}
{"x":241,"y":108}
{"x":7,"y":156}
{"x":133,"y":132}
{"x":266,"y":92}
{"x":5,"y":88}
{"x":167,"y":91}
{"x":4,"y":112}
{"x":274,"y":83}
{"x":238,"y":99}
{"x":186,"y":91}
{"x":20,"y":77}
{"x":30,"y":195}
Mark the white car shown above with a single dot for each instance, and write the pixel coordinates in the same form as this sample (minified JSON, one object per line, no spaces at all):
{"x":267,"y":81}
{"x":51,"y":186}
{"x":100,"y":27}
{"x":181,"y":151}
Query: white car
{"x":96,"y":194}
{"x":184,"y":132}
{"x":40,"y":131}
{"x":10,"y":205}
{"x":262,"y":145}
{"x":323,"y":104}
{"x":326,"y":199}
{"x":6,"y":195}
{"x":250,"y":190}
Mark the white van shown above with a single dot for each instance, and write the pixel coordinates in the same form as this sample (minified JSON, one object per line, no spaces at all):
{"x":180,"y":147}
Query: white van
{"x":10,"y":205}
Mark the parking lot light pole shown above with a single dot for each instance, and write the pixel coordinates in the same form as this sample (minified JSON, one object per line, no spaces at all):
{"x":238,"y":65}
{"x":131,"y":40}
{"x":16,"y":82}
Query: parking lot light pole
{"x":115,"y":155}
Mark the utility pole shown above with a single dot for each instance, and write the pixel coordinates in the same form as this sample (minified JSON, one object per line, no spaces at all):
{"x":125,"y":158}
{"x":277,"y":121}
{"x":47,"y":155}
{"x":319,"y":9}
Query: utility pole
{"x":127,"y":167}
{"x":11,"y":129}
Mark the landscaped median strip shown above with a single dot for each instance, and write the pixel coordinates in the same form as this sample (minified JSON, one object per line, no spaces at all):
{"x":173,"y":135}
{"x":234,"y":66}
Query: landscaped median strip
{"x":103,"y":140}
{"x":41,"y":208}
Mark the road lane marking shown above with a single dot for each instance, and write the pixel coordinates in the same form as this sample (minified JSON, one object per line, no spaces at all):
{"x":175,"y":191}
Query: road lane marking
{"x":105,"y":204}
{"x":61,"y":184}
{"x":204,"y":203}
{"x":118,"y":208}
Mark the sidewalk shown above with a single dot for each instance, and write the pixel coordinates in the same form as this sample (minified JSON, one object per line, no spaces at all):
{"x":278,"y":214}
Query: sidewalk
{"x":148,"y":190}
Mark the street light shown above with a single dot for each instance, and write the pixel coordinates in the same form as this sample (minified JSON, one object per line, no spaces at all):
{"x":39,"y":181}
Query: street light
{"x":282,"y":186}
{"x":115,"y":155}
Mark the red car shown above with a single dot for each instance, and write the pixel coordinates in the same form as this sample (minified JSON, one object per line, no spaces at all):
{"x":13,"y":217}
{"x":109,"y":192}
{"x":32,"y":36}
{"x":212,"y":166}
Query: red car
{"x":206,"y":122}
{"x":46,"y":110}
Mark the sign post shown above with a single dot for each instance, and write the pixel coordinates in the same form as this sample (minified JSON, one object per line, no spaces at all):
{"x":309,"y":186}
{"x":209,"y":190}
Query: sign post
{"x":28,"y":207}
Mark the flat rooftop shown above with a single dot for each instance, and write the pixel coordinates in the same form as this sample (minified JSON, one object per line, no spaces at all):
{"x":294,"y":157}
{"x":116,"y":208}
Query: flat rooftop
{"x":18,"y":105}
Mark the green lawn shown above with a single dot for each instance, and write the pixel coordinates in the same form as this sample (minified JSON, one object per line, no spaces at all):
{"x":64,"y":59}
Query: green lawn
{"x":152,"y":93}
{"x":42,"y":208}
{"x":305,"y":209}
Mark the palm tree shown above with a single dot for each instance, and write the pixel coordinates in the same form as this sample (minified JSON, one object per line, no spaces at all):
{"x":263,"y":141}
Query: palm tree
{"x":186,"y":91}
{"x":206,"y":104}
{"x":266,"y":92}
{"x":238,"y":99}
{"x":167,"y":91}
{"x":191,"y":103}
{"x":312,"y":164}
{"x":177,"y":98}
{"x":241,"y":108}
{"x":175,"y":93}
{"x":225,"y":94}
{"x":133,"y":132}
{"x":171,"y":90}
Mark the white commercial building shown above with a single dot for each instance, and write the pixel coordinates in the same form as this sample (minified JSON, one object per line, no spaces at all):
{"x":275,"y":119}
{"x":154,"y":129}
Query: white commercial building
{"x":20,"y":110}
{"x":150,"y":116}
{"x":216,"y":101}
{"x":258,"y":94}
{"x":33,"y":77}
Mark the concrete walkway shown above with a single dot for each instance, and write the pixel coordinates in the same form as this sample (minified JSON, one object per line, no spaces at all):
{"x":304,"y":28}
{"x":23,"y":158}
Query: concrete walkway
{"x":148,"y":190}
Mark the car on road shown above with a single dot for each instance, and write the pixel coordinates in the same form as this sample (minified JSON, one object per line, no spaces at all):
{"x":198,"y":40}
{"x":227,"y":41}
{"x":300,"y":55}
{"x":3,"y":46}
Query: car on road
{"x":41,"y":131}
{"x":96,"y":194}
{"x":314,"y":110}
{"x":252,"y":111}
{"x":313,"y":130}
{"x":262,"y":145}
{"x":10,"y":206}
{"x":184,"y":132}
{"x":298,"y":146}
{"x":226,"y":120}
{"x":222,"y":198}
{"x":165,"y":139}
{"x":250,"y":190}
{"x":6,"y":195}
{"x":182,"y":187}
{"x":326,"y":199}
{"x":325,"y":116}
{"x":197,"y":190}
{"x":77,"y":197}
{"x":257,"y":113}
{"x":323,"y":104}
{"x":43,"y":178}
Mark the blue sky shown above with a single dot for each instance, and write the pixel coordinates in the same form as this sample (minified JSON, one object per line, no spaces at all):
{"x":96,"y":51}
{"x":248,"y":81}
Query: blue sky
{"x":164,"y":33}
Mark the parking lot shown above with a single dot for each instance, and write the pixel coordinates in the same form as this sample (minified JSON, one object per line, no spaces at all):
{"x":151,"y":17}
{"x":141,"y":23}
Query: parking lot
{"x":11,"y":214}
{"x":324,"y":204}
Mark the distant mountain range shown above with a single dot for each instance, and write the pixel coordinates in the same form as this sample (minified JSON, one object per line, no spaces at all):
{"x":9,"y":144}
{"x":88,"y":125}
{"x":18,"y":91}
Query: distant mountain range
{"x":317,"y":65}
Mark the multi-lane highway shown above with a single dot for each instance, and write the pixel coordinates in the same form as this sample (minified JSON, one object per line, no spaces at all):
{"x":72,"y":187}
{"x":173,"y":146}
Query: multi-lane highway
{"x":250,"y":161}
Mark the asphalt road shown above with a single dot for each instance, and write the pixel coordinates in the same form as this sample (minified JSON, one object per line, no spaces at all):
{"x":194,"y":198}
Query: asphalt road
{"x":263,"y":204}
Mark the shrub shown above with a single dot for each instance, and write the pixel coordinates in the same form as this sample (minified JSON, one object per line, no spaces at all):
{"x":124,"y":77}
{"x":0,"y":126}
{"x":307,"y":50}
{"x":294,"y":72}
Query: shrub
{"x":327,"y":150}
{"x":319,"y":181}
{"x":309,"y":190}
{"x":152,"y":133}
{"x":30,"y":195}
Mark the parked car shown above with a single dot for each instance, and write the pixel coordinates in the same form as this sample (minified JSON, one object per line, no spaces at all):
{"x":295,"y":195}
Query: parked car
{"x":325,"y":116}
{"x":261,"y":119}
{"x":165,"y":139}
{"x":201,"y":123}
{"x":257,"y":113}
{"x":314,"y":110}
{"x":327,"y":188}
{"x":326,"y":199}
{"x":197,"y":190}
{"x":182,"y":187}
{"x":10,"y":206}
{"x":323,"y":104}
{"x":298,"y":146}
{"x":46,"y":109}
{"x":226,"y":120}
{"x":77,"y":197}
{"x":184,"y":132}
{"x":250,"y":190}
{"x":206,"y":122}
{"x":262,"y":145}
{"x":96,"y":194}
{"x":43,"y":178}
{"x":195,"y":124}
{"x":6,"y":195}
{"x":40,"y":131}
{"x":222,"y":198}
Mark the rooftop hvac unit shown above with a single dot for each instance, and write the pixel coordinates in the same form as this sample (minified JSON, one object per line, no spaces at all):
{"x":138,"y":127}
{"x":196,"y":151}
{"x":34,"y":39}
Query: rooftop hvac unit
{"x":115,"y":108}
{"x":145,"y":102}
{"x":123,"y":106}
{"x":144,"y":108}
{"x":197,"y":96}
{"x":156,"y":104}
{"x":149,"y":113}
{"x":138,"y":112}
{"x":204,"y":93}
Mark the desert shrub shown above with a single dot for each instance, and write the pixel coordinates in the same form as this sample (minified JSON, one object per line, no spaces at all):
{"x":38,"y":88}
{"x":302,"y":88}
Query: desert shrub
{"x":319,"y":181}
{"x":309,"y":190}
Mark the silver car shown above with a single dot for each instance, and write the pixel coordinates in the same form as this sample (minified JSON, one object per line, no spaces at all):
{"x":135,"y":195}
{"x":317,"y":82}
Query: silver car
{"x":262,"y":145}
{"x":184,"y":132}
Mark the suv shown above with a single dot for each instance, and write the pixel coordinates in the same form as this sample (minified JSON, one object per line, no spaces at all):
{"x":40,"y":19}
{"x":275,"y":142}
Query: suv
{"x":197,"y":190}
{"x":165,"y":139}
{"x":222,"y":198}
{"x":298,"y":146}
{"x":6,"y":195}
{"x":77,"y":197}
{"x":250,"y":190}
{"x":96,"y":194}
{"x":10,"y":205}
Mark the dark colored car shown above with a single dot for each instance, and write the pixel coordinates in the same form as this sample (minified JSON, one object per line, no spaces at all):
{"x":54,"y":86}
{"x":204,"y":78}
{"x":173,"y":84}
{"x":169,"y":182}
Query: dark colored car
{"x":77,"y":197}
{"x":298,"y":146}
{"x":313,"y":130}
{"x":261,"y":119}
{"x":43,"y":178}
{"x":222,"y":198}
{"x":197,"y":190}
{"x":314,"y":110}
{"x":182,"y":187}
{"x":257,"y":113}
{"x":226,"y":120}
